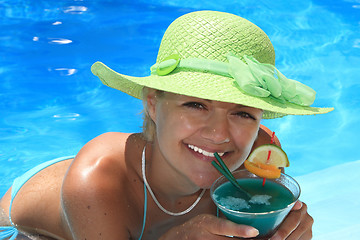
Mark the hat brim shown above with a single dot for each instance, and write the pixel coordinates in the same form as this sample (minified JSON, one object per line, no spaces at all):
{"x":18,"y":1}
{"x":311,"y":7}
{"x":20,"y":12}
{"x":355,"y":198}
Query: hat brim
{"x":201,"y":85}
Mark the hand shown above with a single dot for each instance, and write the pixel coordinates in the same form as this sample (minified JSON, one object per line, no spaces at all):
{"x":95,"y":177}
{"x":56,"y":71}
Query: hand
{"x":297,"y":225}
{"x":209,"y":227}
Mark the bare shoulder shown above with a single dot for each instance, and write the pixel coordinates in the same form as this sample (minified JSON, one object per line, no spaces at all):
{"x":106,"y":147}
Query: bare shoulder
{"x":107,"y":142}
{"x":101,"y":164}
{"x":101,"y":159}
{"x":103,"y":153}
{"x":100,"y":185}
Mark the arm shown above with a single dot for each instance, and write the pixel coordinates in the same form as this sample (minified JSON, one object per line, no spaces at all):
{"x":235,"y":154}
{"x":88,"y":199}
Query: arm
{"x":209,"y":227}
{"x":92,"y":200}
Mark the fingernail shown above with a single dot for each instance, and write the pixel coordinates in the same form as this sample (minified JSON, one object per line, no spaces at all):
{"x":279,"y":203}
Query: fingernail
{"x":298,"y":205}
{"x":252,"y":232}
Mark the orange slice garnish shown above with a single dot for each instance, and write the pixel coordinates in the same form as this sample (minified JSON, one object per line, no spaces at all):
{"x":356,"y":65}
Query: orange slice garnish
{"x":263,"y":170}
{"x":266,"y":165}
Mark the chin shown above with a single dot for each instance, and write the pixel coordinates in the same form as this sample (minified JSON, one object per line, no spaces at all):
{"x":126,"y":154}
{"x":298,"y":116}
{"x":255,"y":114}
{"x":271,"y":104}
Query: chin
{"x":205,"y":181}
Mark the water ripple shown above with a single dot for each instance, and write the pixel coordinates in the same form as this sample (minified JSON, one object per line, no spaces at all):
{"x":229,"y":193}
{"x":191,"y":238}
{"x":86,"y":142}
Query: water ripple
{"x":67,"y":116}
{"x":75,"y":9}
{"x":357,"y":43}
{"x":56,"y":23}
{"x":59,"y":41}
{"x":64,"y":71}
{"x":13,"y":130}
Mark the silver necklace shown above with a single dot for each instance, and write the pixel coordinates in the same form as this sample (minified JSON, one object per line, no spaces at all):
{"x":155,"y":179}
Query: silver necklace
{"x":155,"y":199}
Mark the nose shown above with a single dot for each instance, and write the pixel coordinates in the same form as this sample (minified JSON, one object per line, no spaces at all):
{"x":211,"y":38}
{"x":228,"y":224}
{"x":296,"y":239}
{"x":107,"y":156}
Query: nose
{"x":216,"y":129}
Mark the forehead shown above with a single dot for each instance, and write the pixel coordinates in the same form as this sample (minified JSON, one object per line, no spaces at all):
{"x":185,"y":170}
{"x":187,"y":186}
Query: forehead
{"x":180,"y":97}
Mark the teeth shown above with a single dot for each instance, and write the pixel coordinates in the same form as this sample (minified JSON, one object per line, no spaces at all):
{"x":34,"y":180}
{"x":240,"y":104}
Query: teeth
{"x":203,"y":152}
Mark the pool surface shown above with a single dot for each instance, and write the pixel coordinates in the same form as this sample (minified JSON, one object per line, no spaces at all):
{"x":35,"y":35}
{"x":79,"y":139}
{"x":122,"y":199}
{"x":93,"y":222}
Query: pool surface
{"x":51,"y":104}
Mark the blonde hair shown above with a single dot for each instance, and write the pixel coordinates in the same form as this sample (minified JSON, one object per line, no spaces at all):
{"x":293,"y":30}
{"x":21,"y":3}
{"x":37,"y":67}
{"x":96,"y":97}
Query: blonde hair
{"x":149,"y":126}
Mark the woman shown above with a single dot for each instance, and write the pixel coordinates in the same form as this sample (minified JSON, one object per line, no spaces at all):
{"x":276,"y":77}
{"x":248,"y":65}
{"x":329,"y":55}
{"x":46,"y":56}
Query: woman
{"x":213,"y":82}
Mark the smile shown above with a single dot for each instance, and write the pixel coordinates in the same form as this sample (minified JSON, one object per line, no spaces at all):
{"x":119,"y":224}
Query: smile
{"x":203,"y":152}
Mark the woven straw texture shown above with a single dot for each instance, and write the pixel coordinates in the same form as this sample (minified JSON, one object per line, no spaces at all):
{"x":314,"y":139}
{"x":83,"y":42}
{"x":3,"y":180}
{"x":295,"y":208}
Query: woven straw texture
{"x":213,"y":36}
{"x":208,"y":35}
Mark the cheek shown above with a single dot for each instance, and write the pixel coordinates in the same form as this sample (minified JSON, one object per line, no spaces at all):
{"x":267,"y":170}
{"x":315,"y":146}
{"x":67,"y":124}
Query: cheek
{"x":180,"y":125}
{"x":170,"y":128}
{"x":244,"y":138}
{"x":162,"y":124}
{"x":245,"y":133}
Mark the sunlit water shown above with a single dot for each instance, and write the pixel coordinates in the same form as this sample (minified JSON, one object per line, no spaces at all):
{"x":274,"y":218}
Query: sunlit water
{"x":51,"y":104}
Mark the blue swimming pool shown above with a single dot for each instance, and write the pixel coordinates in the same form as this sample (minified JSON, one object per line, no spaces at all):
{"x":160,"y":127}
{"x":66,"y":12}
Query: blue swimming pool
{"x":51,"y":104}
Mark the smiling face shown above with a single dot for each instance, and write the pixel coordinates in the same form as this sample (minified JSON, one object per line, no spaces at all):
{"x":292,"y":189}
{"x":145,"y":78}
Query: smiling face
{"x":189,"y":130}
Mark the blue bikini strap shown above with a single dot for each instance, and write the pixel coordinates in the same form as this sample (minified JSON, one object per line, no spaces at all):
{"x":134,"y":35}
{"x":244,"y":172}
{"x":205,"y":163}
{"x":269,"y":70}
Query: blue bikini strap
{"x":145,"y":210}
{"x":11,"y":232}
{"x":20,"y":181}
{"x":8,"y":231}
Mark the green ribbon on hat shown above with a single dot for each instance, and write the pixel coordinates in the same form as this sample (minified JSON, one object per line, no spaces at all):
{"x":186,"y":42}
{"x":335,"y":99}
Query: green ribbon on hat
{"x":252,"y":77}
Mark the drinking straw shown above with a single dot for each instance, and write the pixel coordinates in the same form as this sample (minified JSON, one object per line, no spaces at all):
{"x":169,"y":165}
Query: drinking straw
{"x":223,"y":165}
{"x":269,"y":154}
{"x":224,"y":170}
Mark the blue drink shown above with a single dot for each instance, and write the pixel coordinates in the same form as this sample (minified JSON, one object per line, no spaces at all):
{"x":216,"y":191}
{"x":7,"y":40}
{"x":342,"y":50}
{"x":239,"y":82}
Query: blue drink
{"x":266,"y":209}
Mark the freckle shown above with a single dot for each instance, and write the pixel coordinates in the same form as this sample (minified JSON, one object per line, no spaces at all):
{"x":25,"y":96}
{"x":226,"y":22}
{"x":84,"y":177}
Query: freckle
{"x":179,"y":203}
{"x":134,"y":180}
{"x":100,"y":234}
{"x":88,"y":207}
{"x":105,"y":214}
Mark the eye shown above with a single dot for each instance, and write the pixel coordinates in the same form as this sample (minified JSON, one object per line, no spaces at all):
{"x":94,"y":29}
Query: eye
{"x":245,"y":115}
{"x":195,"y":105}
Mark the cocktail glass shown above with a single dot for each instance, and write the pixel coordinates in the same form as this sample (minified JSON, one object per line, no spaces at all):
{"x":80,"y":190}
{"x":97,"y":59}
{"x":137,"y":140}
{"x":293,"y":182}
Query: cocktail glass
{"x":262,"y":212}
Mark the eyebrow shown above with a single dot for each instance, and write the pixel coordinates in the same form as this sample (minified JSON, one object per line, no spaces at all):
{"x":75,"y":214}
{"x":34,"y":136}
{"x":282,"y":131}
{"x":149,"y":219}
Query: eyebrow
{"x":237,"y":105}
{"x":242,"y":106}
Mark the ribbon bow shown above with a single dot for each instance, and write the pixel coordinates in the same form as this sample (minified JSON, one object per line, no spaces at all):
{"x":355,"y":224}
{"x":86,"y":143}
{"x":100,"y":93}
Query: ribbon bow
{"x":252,"y":77}
{"x":263,"y":80}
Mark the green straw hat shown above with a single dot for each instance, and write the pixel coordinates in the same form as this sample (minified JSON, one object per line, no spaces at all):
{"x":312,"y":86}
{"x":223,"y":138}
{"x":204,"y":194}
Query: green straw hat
{"x":223,"y":57}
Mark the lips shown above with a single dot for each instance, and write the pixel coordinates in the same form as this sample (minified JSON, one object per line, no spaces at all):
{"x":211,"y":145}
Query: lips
{"x":203,"y":152}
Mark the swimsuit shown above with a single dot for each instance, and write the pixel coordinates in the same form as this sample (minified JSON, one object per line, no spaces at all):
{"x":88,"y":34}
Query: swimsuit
{"x":11,"y":231}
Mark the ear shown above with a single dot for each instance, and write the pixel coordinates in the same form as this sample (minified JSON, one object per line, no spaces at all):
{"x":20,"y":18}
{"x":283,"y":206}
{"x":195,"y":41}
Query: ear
{"x":151,"y":101}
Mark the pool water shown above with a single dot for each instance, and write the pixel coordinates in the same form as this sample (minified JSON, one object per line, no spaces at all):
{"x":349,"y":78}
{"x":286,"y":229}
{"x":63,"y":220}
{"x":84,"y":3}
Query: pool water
{"x":51,"y":104}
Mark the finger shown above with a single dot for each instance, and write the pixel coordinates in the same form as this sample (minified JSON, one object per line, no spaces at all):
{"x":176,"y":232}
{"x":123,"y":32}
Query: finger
{"x":291,"y":222}
{"x":304,"y":230}
{"x":298,"y":205}
{"x":307,"y":236}
{"x":224,"y":227}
